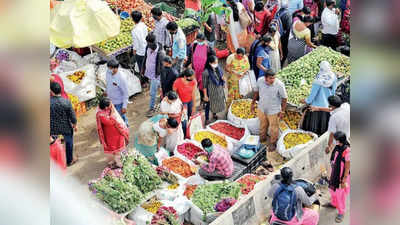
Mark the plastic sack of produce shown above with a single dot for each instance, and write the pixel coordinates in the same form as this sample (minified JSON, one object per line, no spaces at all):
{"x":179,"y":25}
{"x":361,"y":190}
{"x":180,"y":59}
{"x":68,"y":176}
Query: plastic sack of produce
{"x":188,"y":149}
{"x":218,"y":139}
{"x":81,"y":82}
{"x":245,"y":86}
{"x":170,"y":192}
{"x":133,"y":81}
{"x":291,"y":142}
{"x":240,"y":113}
{"x":236,"y":134}
{"x":181,"y":205}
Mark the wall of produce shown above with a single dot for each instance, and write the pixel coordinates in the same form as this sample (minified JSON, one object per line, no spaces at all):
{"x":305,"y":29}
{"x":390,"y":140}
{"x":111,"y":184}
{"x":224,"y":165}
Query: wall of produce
{"x":306,"y":68}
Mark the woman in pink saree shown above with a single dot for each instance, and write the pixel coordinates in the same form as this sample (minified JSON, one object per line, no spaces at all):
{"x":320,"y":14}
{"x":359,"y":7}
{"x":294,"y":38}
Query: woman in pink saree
{"x":113,"y":132}
{"x":339,"y":183}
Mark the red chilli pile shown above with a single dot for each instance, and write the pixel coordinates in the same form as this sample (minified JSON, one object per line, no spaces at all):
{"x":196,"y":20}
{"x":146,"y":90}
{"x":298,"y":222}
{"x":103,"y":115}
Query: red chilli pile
{"x":189,"y":150}
{"x":229,"y":130}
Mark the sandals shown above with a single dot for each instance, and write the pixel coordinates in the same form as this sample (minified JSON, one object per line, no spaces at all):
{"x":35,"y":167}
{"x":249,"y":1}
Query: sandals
{"x":73,"y":162}
{"x":268,"y":166}
{"x":339,"y":218}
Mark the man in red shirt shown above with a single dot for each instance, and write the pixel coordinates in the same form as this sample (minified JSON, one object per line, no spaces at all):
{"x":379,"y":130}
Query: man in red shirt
{"x":220,"y":164}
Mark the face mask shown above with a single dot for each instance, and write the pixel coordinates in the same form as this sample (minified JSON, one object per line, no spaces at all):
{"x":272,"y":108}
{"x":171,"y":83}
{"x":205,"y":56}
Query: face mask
{"x":153,"y":46}
{"x":200,"y":43}
{"x":209,"y":149}
{"x":239,"y":57}
{"x":214,"y":65}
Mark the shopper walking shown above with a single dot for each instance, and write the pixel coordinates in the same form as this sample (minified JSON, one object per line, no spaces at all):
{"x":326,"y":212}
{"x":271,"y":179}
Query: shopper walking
{"x":178,"y":45}
{"x":62,"y":120}
{"x":213,"y":88}
{"x":139,"y":34}
{"x":276,"y":53}
{"x":168,"y":76}
{"x":237,"y":65}
{"x":300,"y":39}
{"x":152,"y":66}
{"x":113,"y":132}
{"x":117,"y":89}
{"x":160,"y":28}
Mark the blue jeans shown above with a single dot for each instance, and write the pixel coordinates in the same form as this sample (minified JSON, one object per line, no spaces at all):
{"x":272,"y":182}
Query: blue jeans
{"x":189,"y":113}
{"x":154,"y":86}
{"x":69,"y":147}
{"x":119,"y":109}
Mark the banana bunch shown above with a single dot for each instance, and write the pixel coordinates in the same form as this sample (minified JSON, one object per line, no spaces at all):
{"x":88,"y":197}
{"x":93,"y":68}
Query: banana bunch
{"x":293,"y":139}
{"x":242,"y":109}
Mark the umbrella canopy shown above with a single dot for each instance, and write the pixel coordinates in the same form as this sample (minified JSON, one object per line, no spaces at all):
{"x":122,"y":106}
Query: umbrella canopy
{"x":82,"y":23}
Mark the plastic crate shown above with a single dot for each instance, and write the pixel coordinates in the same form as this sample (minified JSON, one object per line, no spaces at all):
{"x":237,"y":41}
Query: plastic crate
{"x":253,"y":163}
{"x":238,"y":171}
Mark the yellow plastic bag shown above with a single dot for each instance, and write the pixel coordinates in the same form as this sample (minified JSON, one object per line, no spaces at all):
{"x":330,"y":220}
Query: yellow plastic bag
{"x":82,"y":23}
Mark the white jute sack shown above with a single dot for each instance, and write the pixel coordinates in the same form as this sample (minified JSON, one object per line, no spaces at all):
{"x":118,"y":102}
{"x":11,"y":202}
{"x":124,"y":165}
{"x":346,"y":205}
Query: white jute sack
{"x":229,"y":144}
{"x":86,"y":89}
{"x":290,"y":153}
{"x":132,"y":81}
{"x":236,"y":143}
{"x":252,"y":124}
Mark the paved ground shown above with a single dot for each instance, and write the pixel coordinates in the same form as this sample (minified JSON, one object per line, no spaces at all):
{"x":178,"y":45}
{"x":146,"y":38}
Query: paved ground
{"x":92,"y":160}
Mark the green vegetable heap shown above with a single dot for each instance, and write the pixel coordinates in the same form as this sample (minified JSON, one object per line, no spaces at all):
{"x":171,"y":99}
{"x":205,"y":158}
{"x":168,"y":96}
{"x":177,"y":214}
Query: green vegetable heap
{"x":307,"y":67}
{"x":138,"y":171}
{"x":208,"y":195}
{"x":125,"y":193}
{"x":120,"y":196}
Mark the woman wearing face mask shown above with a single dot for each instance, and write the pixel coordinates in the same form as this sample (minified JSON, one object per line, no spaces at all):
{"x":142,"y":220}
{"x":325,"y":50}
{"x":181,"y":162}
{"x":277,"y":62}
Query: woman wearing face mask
{"x":339,"y":183}
{"x":213,"y":90}
{"x":153,"y":133}
{"x":112,"y":130}
{"x":237,"y":65}
{"x":172,"y":106}
{"x":186,"y":88}
{"x":300,"y":39}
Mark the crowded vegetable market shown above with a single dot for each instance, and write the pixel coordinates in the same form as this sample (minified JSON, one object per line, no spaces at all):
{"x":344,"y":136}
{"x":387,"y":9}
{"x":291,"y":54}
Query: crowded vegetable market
{"x":201,"y":112}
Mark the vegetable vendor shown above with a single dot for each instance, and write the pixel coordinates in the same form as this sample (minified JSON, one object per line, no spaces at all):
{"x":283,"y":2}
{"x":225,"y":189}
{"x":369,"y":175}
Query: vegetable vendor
{"x":152,"y":133}
{"x":220,"y":164}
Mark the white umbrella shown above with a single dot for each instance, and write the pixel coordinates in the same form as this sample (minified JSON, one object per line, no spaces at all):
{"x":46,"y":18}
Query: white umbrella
{"x":82,"y":23}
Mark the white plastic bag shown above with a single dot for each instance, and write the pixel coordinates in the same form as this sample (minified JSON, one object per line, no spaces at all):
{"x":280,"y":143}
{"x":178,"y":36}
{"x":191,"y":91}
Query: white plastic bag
{"x":290,"y":153}
{"x":252,"y":124}
{"x":92,"y":58}
{"x":245,"y":86}
{"x":253,"y":80}
{"x":86,"y":89}
{"x":161,"y":155}
{"x":236,"y":143}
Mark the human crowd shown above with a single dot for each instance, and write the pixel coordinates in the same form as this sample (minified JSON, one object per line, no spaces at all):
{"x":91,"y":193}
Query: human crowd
{"x":263,"y":38}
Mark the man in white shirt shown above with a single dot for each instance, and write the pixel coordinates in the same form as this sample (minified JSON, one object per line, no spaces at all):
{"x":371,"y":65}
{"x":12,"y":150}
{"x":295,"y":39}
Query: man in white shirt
{"x":330,"y":24}
{"x":139,"y":34}
{"x":339,"y":120}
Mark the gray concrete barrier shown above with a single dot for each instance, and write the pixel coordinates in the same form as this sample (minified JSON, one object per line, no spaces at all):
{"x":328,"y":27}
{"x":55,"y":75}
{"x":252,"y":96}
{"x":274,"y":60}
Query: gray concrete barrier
{"x":252,"y":209}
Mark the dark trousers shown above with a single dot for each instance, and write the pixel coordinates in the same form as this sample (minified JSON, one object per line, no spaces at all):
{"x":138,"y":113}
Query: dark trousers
{"x":139,"y":60}
{"x":206,"y":106}
{"x":69,"y":147}
{"x":189,"y":106}
{"x":284,"y":42}
{"x":211,"y":176}
{"x":330,"y":40}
